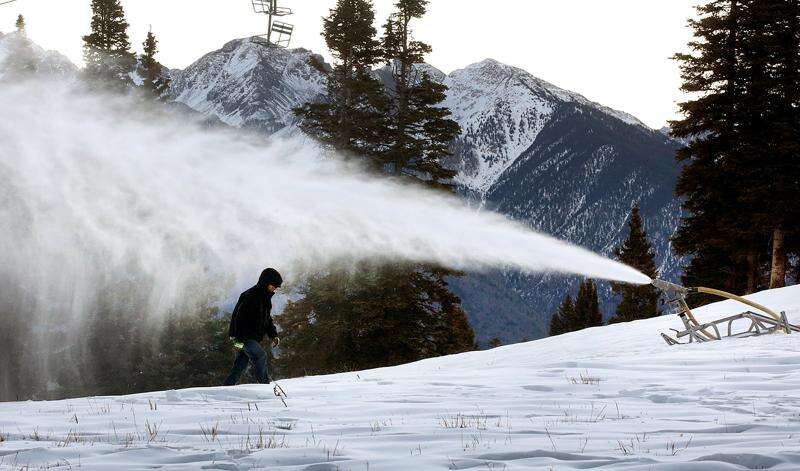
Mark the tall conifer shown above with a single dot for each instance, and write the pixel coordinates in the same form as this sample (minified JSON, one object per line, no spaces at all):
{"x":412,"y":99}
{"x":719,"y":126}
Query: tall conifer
{"x":561,"y":320}
{"x":419,"y":129}
{"x":20,"y":25}
{"x":584,"y":312}
{"x":742,"y":171}
{"x":587,"y":307}
{"x":710,"y":233}
{"x":352,"y":118}
{"x":106,"y":50}
{"x":773,"y":161}
{"x":396,"y":312}
{"x":638,"y":302}
{"x":154,"y":80}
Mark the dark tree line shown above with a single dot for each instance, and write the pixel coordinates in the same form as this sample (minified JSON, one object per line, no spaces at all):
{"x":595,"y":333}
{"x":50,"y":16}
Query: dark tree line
{"x":741,"y":175}
{"x":376,"y":316}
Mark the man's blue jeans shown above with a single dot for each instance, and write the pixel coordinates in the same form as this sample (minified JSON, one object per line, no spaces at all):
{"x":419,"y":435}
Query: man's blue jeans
{"x":251,"y":353}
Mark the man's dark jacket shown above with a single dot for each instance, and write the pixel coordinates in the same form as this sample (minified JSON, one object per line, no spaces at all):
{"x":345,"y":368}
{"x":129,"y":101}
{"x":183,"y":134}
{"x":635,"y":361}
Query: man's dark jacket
{"x":251,"y":318}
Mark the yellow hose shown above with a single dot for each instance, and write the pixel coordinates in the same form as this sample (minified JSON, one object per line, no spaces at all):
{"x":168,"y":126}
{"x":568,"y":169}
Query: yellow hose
{"x":724,"y":294}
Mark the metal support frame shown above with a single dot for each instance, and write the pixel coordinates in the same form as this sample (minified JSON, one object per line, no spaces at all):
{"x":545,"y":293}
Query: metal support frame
{"x":760,"y":324}
{"x":279,"y":33}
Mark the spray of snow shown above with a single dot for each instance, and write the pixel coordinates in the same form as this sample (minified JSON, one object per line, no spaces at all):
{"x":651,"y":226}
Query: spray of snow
{"x":93,"y":185}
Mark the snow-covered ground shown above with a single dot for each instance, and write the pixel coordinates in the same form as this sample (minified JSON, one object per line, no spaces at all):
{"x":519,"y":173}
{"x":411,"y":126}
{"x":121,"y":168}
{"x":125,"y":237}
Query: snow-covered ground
{"x":614,"y":397}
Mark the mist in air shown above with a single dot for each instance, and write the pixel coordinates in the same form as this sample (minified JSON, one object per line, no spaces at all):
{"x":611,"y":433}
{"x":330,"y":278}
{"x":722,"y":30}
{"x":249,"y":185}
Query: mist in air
{"x":95,"y":189}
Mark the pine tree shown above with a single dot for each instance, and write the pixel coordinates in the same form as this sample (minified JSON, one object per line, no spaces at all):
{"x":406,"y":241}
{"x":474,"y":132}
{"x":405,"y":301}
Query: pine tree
{"x":638,"y":302}
{"x":712,"y":231}
{"x":787,"y":169}
{"x":396,"y":312}
{"x":106,"y":49}
{"x":742,"y":173}
{"x":584,"y":312}
{"x":154,"y":80}
{"x":773,"y":159}
{"x":561,"y":321}
{"x":587,"y":307}
{"x":20,"y":24}
{"x":352,"y":118}
{"x":419,"y":128}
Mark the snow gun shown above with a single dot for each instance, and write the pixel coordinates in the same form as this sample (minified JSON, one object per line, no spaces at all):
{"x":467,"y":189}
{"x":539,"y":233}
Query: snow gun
{"x":745,"y":324}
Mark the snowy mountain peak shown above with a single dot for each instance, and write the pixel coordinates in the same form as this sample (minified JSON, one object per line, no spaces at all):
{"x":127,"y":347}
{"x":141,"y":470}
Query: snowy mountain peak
{"x":501,"y":109}
{"x":248,"y":85}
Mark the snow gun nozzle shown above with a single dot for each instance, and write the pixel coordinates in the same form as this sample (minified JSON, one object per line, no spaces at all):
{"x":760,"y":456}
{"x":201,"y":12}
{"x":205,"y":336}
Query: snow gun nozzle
{"x":670,"y":288}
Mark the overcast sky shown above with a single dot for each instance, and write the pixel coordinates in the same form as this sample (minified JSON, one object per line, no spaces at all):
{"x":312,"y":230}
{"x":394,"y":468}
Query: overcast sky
{"x":615,"y":52}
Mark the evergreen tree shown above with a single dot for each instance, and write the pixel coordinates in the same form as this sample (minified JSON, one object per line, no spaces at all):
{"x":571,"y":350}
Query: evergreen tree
{"x":773,"y":159}
{"x":106,"y":50}
{"x":374,"y":317}
{"x":711,"y":122}
{"x":154,"y":80}
{"x":419,"y":128}
{"x":587,"y":307}
{"x":584,"y":312}
{"x":561,"y":321}
{"x":20,"y":24}
{"x":742,"y":173}
{"x":352,"y":118}
{"x":397,"y":312}
{"x":638,"y":302}
{"x":786,"y":171}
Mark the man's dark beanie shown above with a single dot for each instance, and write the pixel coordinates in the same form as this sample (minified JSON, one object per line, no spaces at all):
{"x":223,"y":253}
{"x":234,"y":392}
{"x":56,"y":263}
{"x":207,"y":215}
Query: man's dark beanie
{"x":270,"y":276}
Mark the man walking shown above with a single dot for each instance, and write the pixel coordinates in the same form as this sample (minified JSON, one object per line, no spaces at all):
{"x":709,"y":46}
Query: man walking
{"x":250,"y":322}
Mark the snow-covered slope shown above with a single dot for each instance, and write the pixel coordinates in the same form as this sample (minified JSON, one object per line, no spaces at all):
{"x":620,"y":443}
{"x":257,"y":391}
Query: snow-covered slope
{"x":16,"y":49}
{"x":614,"y":397}
{"x":247,"y":85}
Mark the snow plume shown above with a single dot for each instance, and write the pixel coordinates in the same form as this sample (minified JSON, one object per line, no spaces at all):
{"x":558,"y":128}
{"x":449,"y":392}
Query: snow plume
{"x":95,"y":189}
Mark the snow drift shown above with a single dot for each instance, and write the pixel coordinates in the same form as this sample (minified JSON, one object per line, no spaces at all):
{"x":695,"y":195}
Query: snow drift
{"x":614,"y":397}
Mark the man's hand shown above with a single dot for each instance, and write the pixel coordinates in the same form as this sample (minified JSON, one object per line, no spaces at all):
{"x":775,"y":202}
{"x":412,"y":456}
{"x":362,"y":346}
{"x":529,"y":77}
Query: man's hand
{"x":276,"y":342}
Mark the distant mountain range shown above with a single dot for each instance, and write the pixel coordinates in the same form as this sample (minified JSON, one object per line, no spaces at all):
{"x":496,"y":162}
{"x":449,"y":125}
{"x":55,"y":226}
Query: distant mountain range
{"x":540,"y":154}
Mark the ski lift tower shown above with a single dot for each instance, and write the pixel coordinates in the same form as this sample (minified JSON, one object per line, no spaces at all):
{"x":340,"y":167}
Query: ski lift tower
{"x":278,"y":33}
